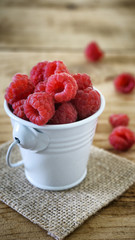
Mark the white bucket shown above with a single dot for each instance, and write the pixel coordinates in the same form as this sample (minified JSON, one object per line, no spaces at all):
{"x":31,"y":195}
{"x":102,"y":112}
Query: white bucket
{"x":54,"y":156}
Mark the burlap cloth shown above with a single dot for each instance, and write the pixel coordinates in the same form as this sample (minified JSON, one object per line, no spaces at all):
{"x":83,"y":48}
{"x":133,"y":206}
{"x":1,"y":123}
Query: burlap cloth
{"x":60,"y":213}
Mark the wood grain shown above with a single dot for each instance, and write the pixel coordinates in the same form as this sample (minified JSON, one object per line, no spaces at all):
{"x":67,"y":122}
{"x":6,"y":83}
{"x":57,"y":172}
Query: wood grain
{"x":49,"y":28}
{"x":70,"y":4}
{"x":32,"y":31}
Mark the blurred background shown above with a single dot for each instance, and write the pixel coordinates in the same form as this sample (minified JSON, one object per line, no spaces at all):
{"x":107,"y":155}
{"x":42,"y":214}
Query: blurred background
{"x":37,"y":30}
{"x":33,"y":31}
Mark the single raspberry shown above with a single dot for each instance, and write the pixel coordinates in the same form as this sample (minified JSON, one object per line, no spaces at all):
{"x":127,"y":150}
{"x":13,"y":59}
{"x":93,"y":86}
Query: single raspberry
{"x":40,"y":87}
{"x":53,"y":68}
{"x":19,"y":88}
{"x":119,"y":120}
{"x":86,"y":102}
{"x":39,"y":108}
{"x":37,"y":72}
{"x":18,"y":109}
{"x":124,"y":83}
{"x":93,"y":53}
{"x":66,"y":113}
{"x":122,"y":138}
{"x":83,"y":80}
{"x":62,"y":86}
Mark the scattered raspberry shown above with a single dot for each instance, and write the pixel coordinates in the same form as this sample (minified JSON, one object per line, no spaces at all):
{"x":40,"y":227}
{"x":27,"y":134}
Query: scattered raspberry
{"x":39,"y":108}
{"x":40,"y":87}
{"x":66,"y":113}
{"x":122,"y":138}
{"x":62,"y":86}
{"x":93,"y":53}
{"x":87,"y":102}
{"x":18,"y":108}
{"x":19,"y":88}
{"x":124,"y":83}
{"x":83,"y":81}
{"x":119,"y":120}
{"x":37,"y":72}
{"x":54,"y":67}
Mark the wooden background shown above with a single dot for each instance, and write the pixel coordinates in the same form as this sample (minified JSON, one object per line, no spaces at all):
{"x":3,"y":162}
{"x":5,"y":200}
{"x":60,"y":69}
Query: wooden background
{"x":32,"y":31}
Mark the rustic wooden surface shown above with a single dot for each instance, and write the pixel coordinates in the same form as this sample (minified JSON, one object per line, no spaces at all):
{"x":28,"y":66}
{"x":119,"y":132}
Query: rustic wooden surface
{"x":31,"y":31}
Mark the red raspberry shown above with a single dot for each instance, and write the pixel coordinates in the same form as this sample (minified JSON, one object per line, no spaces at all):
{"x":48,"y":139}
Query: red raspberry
{"x":83,"y":80}
{"x":122,"y":138}
{"x":19,"y":88}
{"x":39,"y":108}
{"x":19,"y":109}
{"x":40,"y":87}
{"x":37,"y":72}
{"x":87,"y":102}
{"x":54,"y":67}
{"x":62,"y":86}
{"x":119,"y":120}
{"x":66,"y":113}
{"x":93,"y":53}
{"x":124,"y":83}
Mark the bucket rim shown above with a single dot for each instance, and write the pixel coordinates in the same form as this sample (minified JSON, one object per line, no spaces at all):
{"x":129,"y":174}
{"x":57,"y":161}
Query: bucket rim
{"x":57,"y":126}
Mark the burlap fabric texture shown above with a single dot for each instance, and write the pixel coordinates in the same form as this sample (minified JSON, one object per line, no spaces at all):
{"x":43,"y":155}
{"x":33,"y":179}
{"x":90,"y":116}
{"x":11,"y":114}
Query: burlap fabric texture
{"x":60,"y":213}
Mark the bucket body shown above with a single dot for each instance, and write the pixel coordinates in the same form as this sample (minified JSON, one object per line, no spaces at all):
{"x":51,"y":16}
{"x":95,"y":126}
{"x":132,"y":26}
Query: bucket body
{"x":55,"y":157}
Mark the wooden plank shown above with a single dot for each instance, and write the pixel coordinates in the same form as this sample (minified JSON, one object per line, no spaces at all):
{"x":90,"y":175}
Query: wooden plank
{"x":48,"y":29}
{"x":70,"y":4}
{"x":102,"y":75}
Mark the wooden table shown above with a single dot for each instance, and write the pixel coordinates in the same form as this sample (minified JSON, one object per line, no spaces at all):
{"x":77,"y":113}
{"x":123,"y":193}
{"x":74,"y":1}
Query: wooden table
{"x":32,"y":31}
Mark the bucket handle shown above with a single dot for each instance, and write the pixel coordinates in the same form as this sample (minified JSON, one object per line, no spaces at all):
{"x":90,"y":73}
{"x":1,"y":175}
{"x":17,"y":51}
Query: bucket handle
{"x":9,"y":163}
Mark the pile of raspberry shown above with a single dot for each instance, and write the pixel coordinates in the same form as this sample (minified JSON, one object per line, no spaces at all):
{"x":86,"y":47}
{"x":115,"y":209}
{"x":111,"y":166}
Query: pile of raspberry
{"x":52,"y":95}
